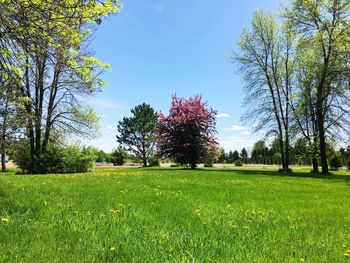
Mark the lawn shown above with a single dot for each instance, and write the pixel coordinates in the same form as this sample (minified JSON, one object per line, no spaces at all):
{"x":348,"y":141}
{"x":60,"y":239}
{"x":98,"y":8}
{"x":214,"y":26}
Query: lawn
{"x":158,"y":215}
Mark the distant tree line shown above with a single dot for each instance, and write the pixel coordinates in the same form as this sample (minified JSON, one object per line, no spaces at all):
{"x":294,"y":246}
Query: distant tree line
{"x":300,"y":154}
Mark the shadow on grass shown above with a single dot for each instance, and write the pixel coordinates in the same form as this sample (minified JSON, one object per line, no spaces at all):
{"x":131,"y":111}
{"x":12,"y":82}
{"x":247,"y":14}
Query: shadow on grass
{"x":263,"y":172}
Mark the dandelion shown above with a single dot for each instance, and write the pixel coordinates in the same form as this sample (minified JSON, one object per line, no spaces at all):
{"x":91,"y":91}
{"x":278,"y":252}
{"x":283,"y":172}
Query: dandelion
{"x":113,"y":249}
{"x":5,"y":220}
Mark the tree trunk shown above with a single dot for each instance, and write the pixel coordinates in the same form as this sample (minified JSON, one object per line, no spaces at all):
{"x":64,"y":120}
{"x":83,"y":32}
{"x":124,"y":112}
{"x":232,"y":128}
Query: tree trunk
{"x":321,"y":134}
{"x":314,"y":165}
{"x":3,"y":162}
{"x":144,"y":162}
{"x":286,"y":168}
{"x":283,"y":157}
{"x":314,"y":158}
{"x":323,"y":153}
{"x":193,"y":166}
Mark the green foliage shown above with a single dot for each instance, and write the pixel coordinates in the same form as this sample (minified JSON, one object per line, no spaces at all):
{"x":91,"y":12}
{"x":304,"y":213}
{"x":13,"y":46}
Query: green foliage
{"x":238,"y":163}
{"x":244,"y":155}
{"x":71,"y":159}
{"x":44,"y":51}
{"x":137,"y":133}
{"x":348,"y":165}
{"x":118,"y":156}
{"x":102,"y":156}
{"x":174,"y":215}
{"x":154,"y":162}
{"x":335,"y":163}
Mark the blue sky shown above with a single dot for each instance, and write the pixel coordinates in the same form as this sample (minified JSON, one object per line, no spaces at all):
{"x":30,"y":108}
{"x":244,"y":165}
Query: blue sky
{"x":160,"y":47}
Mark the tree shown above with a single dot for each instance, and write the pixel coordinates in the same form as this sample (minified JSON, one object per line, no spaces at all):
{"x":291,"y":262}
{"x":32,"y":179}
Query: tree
{"x":102,"y":156}
{"x":324,"y":29}
{"x":301,"y":151}
{"x":45,"y":45}
{"x":235,"y":156}
{"x":11,"y":116}
{"x":118,"y":156}
{"x":266,"y":61}
{"x":230,"y":157}
{"x":222,"y":156}
{"x":259,"y":152}
{"x":244,"y":155}
{"x":187,"y":134}
{"x":137,"y":133}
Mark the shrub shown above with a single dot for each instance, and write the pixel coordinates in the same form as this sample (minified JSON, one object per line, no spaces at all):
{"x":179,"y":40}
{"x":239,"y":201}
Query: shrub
{"x":238,"y":163}
{"x":118,"y":156}
{"x":335,"y":163}
{"x":154,"y":162}
{"x":71,"y":159}
{"x":348,"y":164}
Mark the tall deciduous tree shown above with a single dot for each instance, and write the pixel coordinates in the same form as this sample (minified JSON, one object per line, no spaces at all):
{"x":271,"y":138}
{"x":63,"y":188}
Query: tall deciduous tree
{"x":137,"y":133}
{"x":324,"y":27}
{"x":266,"y":61}
{"x":187,"y":134}
{"x":44,"y":43}
{"x":11,"y":116}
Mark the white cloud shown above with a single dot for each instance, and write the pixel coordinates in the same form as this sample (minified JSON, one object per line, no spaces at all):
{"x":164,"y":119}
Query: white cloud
{"x":236,"y":128}
{"x":222,"y":115}
{"x":231,"y":142}
{"x":111,"y":128}
{"x":234,"y":142}
{"x":245,"y":132}
{"x":102,"y":103}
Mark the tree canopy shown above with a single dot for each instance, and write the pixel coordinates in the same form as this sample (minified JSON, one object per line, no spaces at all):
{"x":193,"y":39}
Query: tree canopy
{"x":187,"y":134}
{"x":137,"y":133}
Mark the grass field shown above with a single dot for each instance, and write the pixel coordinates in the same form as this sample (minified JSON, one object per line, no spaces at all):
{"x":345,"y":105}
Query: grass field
{"x":158,"y":215}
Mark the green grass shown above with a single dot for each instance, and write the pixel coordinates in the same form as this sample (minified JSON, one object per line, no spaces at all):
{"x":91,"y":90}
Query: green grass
{"x":158,"y":215}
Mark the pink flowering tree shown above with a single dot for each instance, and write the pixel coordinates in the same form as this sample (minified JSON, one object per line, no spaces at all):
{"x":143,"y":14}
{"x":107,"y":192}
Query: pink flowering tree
{"x":187,"y":134}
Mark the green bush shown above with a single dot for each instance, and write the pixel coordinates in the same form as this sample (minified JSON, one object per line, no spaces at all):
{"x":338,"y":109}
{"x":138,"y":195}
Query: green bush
{"x":335,"y":163}
{"x":348,"y":165}
{"x":238,"y":163}
{"x":71,"y":159}
{"x":118,"y":156}
{"x":154,"y":162}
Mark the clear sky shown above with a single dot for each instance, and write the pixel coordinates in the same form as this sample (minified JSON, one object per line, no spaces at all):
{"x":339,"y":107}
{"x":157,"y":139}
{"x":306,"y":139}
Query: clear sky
{"x":161,"y":47}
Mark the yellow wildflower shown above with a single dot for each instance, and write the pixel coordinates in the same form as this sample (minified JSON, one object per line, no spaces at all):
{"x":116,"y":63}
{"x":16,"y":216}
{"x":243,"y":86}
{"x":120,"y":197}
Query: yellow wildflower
{"x":5,"y":220}
{"x":113,"y":249}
